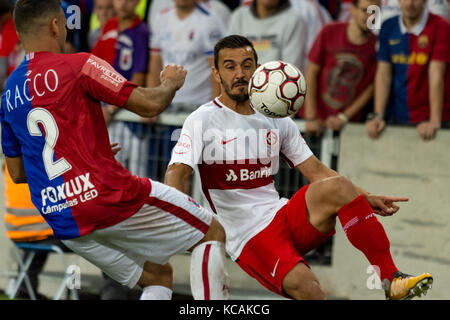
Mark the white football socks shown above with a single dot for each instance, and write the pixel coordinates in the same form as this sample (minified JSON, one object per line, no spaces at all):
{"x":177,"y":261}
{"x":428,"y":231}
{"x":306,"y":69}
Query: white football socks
{"x":209,"y":278}
{"x":156,"y":293}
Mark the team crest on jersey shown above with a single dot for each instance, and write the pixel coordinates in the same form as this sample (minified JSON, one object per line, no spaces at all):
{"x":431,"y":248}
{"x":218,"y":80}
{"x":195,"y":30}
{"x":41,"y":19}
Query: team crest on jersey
{"x":183,"y":145}
{"x":422,"y":41}
{"x":126,"y":59}
{"x":195,"y":203}
{"x":191,"y":35}
{"x":271,"y":137}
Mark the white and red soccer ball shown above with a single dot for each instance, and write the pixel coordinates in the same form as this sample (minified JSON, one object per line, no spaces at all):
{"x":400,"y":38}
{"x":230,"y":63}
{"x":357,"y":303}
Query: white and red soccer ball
{"x":277,"y":89}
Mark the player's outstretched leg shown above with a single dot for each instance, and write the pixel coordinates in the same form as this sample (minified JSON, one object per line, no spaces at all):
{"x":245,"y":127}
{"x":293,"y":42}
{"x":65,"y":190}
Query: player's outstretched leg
{"x":338,"y":197}
{"x":209,"y":279}
{"x":156,"y":281}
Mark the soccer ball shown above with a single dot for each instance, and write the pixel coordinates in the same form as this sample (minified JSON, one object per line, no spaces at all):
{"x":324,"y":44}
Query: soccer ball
{"x":277,"y":89}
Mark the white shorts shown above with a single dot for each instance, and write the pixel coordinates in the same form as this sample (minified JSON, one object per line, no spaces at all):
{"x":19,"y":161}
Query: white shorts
{"x":171,"y":223}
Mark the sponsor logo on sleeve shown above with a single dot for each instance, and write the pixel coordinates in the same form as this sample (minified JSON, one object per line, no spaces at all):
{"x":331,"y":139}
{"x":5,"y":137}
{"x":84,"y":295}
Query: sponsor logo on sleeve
{"x":104,"y":73}
{"x":184,"y":144}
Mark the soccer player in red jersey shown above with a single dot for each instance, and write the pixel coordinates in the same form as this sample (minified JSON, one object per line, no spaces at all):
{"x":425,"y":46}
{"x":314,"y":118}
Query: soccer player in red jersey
{"x":265,"y":234}
{"x":54,"y":137}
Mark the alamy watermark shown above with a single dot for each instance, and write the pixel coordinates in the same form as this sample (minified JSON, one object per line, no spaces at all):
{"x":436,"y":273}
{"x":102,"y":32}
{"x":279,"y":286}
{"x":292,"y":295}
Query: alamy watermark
{"x":374,"y":20}
{"x":73,"y":17}
{"x":73,"y":274}
{"x":373,"y":281}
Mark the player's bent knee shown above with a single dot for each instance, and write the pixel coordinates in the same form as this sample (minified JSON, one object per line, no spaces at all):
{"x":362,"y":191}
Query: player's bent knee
{"x":337,"y":190}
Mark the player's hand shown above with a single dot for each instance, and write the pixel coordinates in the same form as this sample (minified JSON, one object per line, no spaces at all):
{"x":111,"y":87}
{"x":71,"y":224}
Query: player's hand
{"x":374,"y":127}
{"x":427,"y":130}
{"x":115,"y":147}
{"x":314,"y":127}
{"x":384,"y":206}
{"x":174,"y":75}
{"x":335,"y":123}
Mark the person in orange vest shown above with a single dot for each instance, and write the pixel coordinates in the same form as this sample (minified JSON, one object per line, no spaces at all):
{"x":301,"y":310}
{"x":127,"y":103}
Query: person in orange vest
{"x":24,"y":223}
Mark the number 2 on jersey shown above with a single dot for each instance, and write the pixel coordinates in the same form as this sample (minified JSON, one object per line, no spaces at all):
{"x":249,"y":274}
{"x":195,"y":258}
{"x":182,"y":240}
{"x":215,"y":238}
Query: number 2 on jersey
{"x":39,"y":115}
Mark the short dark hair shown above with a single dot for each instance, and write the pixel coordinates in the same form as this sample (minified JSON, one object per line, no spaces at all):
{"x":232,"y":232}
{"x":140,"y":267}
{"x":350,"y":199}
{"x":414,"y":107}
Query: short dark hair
{"x":6,"y":6}
{"x":232,"y":42}
{"x":26,"y":12}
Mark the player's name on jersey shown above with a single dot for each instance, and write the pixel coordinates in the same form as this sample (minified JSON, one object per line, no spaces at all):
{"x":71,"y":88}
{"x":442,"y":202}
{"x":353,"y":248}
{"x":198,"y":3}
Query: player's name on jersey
{"x":39,"y":83}
{"x":68,"y":194}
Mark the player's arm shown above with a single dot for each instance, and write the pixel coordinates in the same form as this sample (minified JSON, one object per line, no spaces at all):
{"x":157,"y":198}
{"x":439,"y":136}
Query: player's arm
{"x":178,"y":176}
{"x":149,"y":102}
{"x":314,"y":170}
{"x":16,"y":169}
{"x":383,"y":79}
{"x":109,"y":110}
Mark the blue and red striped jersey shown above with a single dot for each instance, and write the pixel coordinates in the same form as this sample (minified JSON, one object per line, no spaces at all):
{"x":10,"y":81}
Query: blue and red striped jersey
{"x":51,"y":116}
{"x":410,"y":54}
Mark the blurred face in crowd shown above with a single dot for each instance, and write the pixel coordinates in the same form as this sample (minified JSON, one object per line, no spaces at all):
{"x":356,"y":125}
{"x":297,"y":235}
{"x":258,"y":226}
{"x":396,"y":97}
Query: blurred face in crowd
{"x":268,"y":4}
{"x":360,"y":14}
{"x":125,"y":8}
{"x":235,"y":68}
{"x":185,"y":4}
{"x":104,"y":10}
{"x":412,"y":9}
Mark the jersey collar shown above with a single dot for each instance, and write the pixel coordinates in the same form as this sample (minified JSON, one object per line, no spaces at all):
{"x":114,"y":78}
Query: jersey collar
{"x":418,"y":27}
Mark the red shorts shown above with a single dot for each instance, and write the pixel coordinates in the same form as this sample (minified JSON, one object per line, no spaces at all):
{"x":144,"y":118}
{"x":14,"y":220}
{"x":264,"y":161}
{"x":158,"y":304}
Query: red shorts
{"x":274,"y":251}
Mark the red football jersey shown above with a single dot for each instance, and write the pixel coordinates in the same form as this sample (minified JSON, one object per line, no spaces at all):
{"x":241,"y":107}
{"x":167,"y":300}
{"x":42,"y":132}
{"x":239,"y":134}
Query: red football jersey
{"x":51,"y":116}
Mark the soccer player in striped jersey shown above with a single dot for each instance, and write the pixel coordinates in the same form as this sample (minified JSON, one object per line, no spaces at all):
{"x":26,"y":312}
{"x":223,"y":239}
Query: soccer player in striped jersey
{"x":235,"y":150}
{"x":54,"y":137}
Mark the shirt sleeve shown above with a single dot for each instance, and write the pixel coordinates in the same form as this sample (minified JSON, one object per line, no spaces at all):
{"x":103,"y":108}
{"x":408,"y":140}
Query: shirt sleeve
{"x":103,"y":83}
{"x":10,"y":143}
{"x":189,"y":148}
{"x":441,"y":49}
{"x":294,"y":149}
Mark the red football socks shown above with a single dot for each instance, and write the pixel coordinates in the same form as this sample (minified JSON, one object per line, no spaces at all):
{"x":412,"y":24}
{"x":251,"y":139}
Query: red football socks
{"x":366,"y":233}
